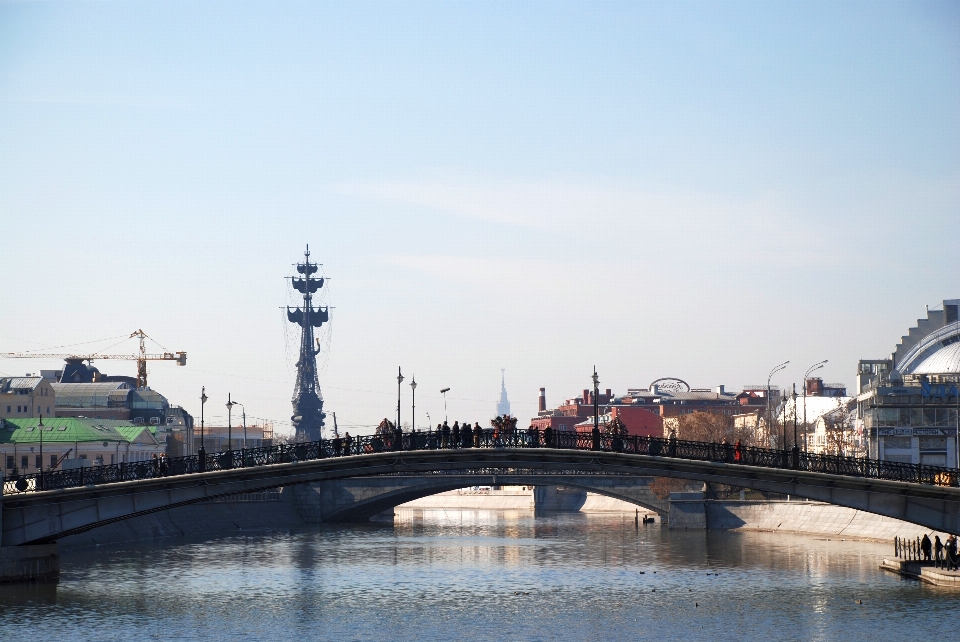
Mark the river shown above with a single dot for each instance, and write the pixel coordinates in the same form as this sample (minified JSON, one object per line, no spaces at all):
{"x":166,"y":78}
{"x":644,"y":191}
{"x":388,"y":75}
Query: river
{"x":492,"y":575}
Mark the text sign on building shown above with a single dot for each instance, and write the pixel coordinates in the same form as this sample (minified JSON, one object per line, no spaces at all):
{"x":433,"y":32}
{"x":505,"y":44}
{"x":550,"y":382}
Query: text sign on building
{"x":915,"y":432}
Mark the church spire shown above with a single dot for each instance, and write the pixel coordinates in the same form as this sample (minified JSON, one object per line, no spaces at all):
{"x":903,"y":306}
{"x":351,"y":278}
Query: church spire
{"x":503,"y":406}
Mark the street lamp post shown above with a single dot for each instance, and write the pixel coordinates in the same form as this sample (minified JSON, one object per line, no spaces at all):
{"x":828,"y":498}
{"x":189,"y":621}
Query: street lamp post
{"x":399,"y":381}
{"x":444,"y":392}
{"x":413,"y":409}
{"x":816,"y":366}
{"x":796,"y":448}
{"x":596,"y":402}
{"x":244,"y":447}
{"x":40,"y":427}
{"x":769,"y":412}
{"x":203,"y":453}
{"x":230,"y":405}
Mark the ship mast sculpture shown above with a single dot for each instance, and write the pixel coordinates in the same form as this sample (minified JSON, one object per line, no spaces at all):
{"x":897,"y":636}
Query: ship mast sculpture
{"x":308,"y":412}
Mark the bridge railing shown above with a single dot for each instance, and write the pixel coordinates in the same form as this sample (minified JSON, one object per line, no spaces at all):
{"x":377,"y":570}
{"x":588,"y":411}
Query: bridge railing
{"x":483,"y":439}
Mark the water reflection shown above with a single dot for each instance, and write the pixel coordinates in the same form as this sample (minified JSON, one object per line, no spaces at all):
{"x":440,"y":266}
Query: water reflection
{"x":482,"y":575}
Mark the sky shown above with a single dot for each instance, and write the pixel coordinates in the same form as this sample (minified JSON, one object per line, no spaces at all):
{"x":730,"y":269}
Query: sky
{"x":699,"y":190}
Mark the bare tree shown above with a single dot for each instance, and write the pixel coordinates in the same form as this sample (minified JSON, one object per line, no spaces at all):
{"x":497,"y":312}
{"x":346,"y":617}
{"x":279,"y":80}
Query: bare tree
{"x":661,"y":487}
{"x":838,"y":438}
{"x":714,"y":427}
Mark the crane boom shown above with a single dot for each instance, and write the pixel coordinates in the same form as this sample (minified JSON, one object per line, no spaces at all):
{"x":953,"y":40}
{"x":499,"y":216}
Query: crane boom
{"x":180,"y":357}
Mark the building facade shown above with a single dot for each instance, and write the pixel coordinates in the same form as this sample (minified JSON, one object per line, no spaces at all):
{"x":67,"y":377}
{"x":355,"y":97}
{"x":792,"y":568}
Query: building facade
{"x":26,"y":397}
{"x":26,"y":445}
{"x":651,"y":411}
{"x":908,"y":404}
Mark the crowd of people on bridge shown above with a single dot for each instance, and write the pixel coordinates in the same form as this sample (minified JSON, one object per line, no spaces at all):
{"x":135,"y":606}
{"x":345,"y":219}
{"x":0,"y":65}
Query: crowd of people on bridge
{"x":502,"y":432}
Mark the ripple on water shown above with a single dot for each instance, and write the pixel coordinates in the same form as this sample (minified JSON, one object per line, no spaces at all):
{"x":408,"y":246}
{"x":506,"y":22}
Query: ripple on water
{"x":481,"y":577}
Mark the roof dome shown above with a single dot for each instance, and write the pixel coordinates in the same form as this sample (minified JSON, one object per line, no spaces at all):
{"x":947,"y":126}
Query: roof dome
{"x":946,"y":360}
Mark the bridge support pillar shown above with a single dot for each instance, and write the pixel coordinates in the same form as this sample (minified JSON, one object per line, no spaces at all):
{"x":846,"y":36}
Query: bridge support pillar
{"x":29,"y":563}
{"x":687,"y":511}
{"x":558,"y":499}
{"x":308,"y":499}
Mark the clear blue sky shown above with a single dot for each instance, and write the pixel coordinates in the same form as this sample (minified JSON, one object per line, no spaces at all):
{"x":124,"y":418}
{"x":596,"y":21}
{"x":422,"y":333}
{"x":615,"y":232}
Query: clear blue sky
{"x":698,"y":190}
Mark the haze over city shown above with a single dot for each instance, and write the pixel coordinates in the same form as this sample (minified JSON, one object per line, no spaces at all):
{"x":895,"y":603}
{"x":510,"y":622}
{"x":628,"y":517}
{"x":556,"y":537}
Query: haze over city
{"x":695,"y":191}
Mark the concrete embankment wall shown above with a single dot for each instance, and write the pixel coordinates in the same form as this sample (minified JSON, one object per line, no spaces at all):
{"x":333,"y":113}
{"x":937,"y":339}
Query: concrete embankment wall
{"x":808,"y":518}
{"x":549,"y":499}
{"x":505,"y":499}
{"x":253,"y":512}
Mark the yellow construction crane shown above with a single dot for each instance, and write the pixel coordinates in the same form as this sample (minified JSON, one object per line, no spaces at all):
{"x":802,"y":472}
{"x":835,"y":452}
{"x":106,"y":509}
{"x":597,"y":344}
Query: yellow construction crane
{"x":141,"y":359}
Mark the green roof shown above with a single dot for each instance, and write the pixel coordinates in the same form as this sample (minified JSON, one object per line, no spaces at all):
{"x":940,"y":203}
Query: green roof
{"x":74,"y":429}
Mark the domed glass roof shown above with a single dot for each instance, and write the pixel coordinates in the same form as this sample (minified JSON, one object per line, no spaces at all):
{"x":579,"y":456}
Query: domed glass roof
{"x":946,"y":360}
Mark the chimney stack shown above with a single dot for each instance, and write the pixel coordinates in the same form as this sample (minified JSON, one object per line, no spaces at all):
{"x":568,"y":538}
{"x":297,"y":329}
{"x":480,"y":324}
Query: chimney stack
{"x":543,"y":399}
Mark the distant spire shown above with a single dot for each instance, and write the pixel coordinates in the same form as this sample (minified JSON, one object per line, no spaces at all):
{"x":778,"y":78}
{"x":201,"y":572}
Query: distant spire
{"x":503,"y":406}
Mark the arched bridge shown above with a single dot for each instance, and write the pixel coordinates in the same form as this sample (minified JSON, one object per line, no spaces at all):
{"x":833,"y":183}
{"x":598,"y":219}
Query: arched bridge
{"x":43,"y":508}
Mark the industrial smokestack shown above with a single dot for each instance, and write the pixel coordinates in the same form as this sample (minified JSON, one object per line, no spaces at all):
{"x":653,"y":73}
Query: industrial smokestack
{"x":543,"y":399}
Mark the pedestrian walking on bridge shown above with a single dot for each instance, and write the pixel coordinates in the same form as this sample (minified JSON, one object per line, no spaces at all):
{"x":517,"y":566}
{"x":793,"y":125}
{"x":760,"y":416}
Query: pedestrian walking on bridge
{"x":926,"y":547}
{"x":937,"y":551}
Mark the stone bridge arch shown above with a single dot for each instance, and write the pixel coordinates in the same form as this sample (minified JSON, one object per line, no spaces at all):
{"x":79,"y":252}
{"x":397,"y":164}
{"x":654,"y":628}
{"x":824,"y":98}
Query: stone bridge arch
{"x":359,"y":499}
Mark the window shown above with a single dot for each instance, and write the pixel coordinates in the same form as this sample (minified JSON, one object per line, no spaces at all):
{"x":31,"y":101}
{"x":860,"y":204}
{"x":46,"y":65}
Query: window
{"x":39,"y":462}
{"x":933,"y":443}
{"x":8,"y":410}
{"x":113,"y":459}
{"x":900,"y":443}
{"x":10,"y":462}
{"x":24,"y":462}
{"x":48,"y":410}
{"x":53,"y":460}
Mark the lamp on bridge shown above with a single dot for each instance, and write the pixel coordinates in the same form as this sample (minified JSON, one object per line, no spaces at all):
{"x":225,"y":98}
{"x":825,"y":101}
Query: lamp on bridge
{"x":399,"y":381}
{"x":202,"y":453}
{"x":806,"y":374}
{"x":796,"y":447}
{"x":769,"y":413}
{"x":230,"y":405}
{"x":444,"y":392}
{"x":413,"y":410}
{"x":596,"y":406}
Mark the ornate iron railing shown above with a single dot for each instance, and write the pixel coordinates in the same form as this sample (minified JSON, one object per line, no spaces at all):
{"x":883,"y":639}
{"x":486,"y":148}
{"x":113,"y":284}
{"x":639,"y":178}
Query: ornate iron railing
{"x":485,"y":439}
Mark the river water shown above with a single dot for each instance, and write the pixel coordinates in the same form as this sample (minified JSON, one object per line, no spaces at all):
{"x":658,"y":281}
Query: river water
{"x":488,"y":575}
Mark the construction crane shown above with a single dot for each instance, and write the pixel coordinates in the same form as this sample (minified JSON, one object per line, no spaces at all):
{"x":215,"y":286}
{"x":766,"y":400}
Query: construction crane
{"x":141,"y":359}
